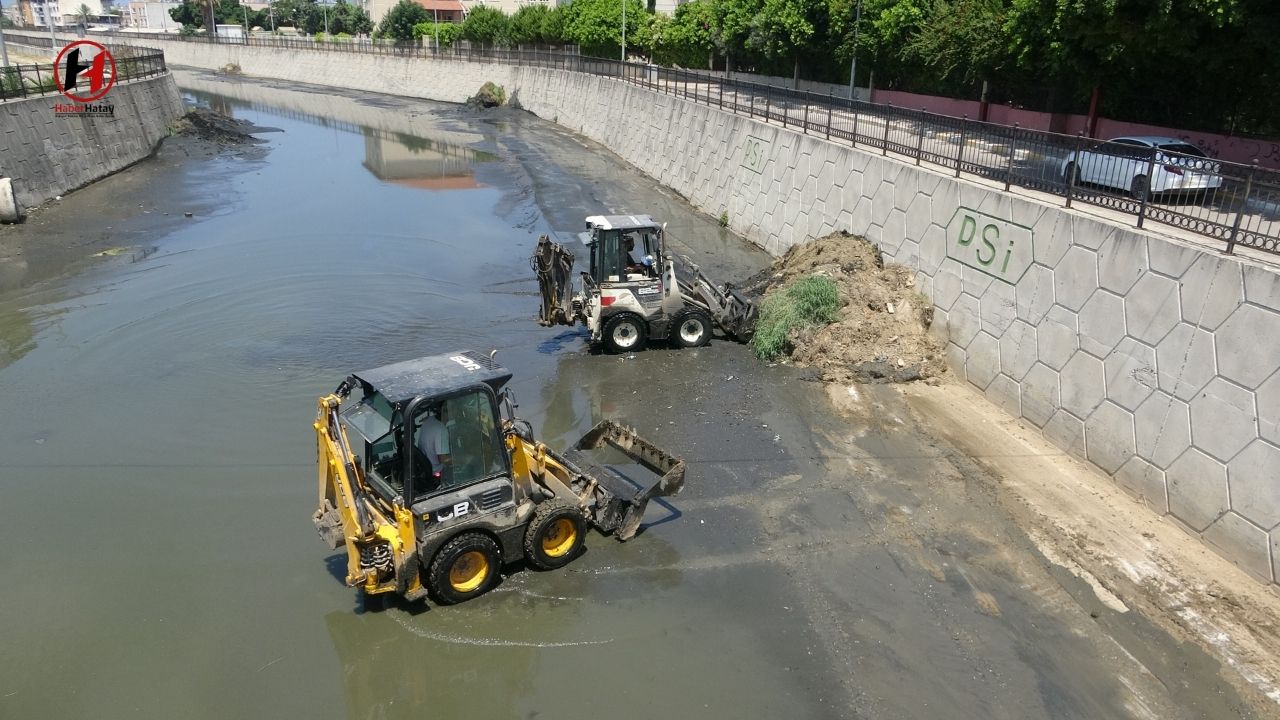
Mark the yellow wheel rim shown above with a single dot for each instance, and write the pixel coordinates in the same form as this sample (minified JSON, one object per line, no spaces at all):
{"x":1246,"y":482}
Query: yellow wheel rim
{"x":560,"y":537}
{"x":469,"y":571}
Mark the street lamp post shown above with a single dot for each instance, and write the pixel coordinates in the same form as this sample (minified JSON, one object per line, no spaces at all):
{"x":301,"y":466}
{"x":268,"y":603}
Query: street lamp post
{"x":4,"y":51}
{"x":326,"y":19}
{"x":436,"y":12}
{"x":624,"y":31}
{"x":48,"y":14}
{"x":853,"y":67}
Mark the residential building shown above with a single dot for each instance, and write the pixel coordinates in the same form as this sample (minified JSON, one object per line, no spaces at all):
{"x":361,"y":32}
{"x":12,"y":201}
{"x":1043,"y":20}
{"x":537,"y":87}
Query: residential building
{"x":43,"y":10}
{"x":150,"y":16}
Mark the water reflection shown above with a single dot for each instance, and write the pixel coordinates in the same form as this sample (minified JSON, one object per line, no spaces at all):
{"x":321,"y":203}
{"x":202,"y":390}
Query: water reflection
{"x":426,"y":156}
{"x":421,"y":163}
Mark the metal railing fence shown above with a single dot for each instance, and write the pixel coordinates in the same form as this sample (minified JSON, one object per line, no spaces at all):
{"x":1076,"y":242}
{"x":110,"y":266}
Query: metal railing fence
{"x":1238,"y":205}
{"x":131,"y":63}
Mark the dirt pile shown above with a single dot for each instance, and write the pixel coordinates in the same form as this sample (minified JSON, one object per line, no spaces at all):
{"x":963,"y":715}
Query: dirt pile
{"x":881,"y":334}
{"x":212,"y":126}
{"x":489,"y":96}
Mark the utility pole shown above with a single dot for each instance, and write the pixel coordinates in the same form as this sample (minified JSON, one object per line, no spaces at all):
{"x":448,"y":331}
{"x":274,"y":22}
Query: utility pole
{"x":624,"y":31}
{"x":48,"y":14}
{"x":4,"y":51}
{"x":853,"y":67}
{"x":436,"y":12}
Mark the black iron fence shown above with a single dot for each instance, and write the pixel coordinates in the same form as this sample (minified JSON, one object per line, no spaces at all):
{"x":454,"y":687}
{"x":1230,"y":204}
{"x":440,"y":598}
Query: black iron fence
{"x":1166,"y":183}
{"x":131,"y":63}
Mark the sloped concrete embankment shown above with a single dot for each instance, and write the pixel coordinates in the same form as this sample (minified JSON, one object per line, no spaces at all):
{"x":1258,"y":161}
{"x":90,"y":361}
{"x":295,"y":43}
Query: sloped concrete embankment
{"x":1156,"y":361}
{"x":45,"y":154}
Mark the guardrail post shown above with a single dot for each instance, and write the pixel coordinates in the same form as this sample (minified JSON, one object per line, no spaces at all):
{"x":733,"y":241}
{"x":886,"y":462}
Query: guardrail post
{"x":1073,"y":167}
{"x":768,"y":98}
{"x":1146,"y":192}
{"x":1244,"y":203}
{"x":920,"y":137}
{"x":1013,"y":149}
{"x":964,"y":124}
{"x":884,"y":143}
{"x":805,"y":122}
{"x":830,"y":105}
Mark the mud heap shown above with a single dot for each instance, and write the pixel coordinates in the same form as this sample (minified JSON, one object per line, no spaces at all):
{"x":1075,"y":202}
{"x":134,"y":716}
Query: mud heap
{"x":215,"y":127}
{"x":881,"y":334}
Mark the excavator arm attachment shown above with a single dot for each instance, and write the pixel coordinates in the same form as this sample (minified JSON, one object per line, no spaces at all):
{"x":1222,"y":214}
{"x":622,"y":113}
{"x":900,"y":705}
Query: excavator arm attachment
{"x":553,"y":266}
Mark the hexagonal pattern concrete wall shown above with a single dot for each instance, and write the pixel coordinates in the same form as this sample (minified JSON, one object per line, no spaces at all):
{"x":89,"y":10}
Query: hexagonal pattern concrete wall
{"x":1156,"y":361}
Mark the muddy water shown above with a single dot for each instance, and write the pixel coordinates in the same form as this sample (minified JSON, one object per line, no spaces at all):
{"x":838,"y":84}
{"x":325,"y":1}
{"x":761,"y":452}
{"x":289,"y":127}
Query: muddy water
{"x":156,"y":460}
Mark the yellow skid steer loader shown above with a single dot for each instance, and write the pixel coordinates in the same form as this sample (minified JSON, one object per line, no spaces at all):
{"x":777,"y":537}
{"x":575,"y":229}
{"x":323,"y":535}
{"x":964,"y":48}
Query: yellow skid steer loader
{"x":432,"y":484}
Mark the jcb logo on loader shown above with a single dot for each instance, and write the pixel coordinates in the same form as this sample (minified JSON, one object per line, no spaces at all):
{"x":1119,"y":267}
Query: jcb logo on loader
{"x":456,"y":511}
{"x":465,"y":362}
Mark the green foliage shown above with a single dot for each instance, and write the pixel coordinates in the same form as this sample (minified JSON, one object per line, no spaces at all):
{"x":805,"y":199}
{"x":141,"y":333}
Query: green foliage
{"x":724,"y":219}
{"x":526,"y":25}
{"x":553,"y":25}
{"x":187,"y":30}
{"x":448,"y":32}
{"x":399,"y":22}
{"x":596,"y":26}
{"x":688,"y":39}
{"x":486,"y":25}
{"x":808,"y":302}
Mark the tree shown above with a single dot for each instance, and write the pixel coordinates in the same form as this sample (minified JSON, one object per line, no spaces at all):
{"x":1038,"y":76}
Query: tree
{"x":787,"y":29}
{"x":526,"y":24}
{"x":399,"y":22}
{"x":195,"y":13}
{"x":596,"y":25}
{"x":963,"y":40}
{"x":84,"y":15}
{"x":553,"y":25}
{"x":345,"y":17}
{"x":487,"y":25}
{"x":731,"y":26}
{"x":688,"y":39}
{"x":446,"y":32}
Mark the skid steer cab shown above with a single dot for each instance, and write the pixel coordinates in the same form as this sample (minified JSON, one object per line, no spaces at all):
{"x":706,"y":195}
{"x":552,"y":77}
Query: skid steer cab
{"x":631,"y":292}
{"x":432,"y":485}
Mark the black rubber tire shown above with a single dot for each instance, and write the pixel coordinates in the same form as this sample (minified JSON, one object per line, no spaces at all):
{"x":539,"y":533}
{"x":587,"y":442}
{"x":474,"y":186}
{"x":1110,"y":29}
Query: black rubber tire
{"x":615,"y":324}
{"x":551,"y":516}
{"x":683,"y":339}
{"x":438,"y":576}
{"x":1140,"y":188}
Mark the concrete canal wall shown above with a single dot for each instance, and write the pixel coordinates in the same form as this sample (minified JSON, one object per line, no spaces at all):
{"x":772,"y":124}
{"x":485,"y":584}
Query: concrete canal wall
{"x":45,"y":154}
{"x":1154,"y":360}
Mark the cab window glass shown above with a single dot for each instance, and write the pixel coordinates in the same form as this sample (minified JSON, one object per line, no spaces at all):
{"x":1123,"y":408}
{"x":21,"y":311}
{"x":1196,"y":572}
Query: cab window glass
{"x":460,"y":442}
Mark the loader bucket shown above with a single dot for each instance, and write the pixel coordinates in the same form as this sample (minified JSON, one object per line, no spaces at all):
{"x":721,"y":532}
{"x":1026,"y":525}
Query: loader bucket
{"x":620,"y":504}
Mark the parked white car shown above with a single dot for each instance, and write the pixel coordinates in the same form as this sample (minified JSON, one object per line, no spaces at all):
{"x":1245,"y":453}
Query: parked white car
{"x":1124,"y":163}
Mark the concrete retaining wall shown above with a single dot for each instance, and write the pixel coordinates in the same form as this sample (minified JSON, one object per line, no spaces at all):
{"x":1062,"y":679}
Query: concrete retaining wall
{"x":47,"y":154}
{"x":1153,"y":360}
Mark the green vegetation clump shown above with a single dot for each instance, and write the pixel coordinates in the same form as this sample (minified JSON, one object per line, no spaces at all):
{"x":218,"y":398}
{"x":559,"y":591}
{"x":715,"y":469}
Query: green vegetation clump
{"x":490,"y":95}
{"x":809,"y":302}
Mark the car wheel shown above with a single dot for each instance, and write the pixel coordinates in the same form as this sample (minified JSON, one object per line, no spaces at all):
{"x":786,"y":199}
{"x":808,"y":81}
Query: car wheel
{"x":555,"y":535}
{"x":691,"y":329}
{"x":466,"y":567}
{"x":1139,"y":188}
{"x":623,"y":332}
{"x":1071,"y":175}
